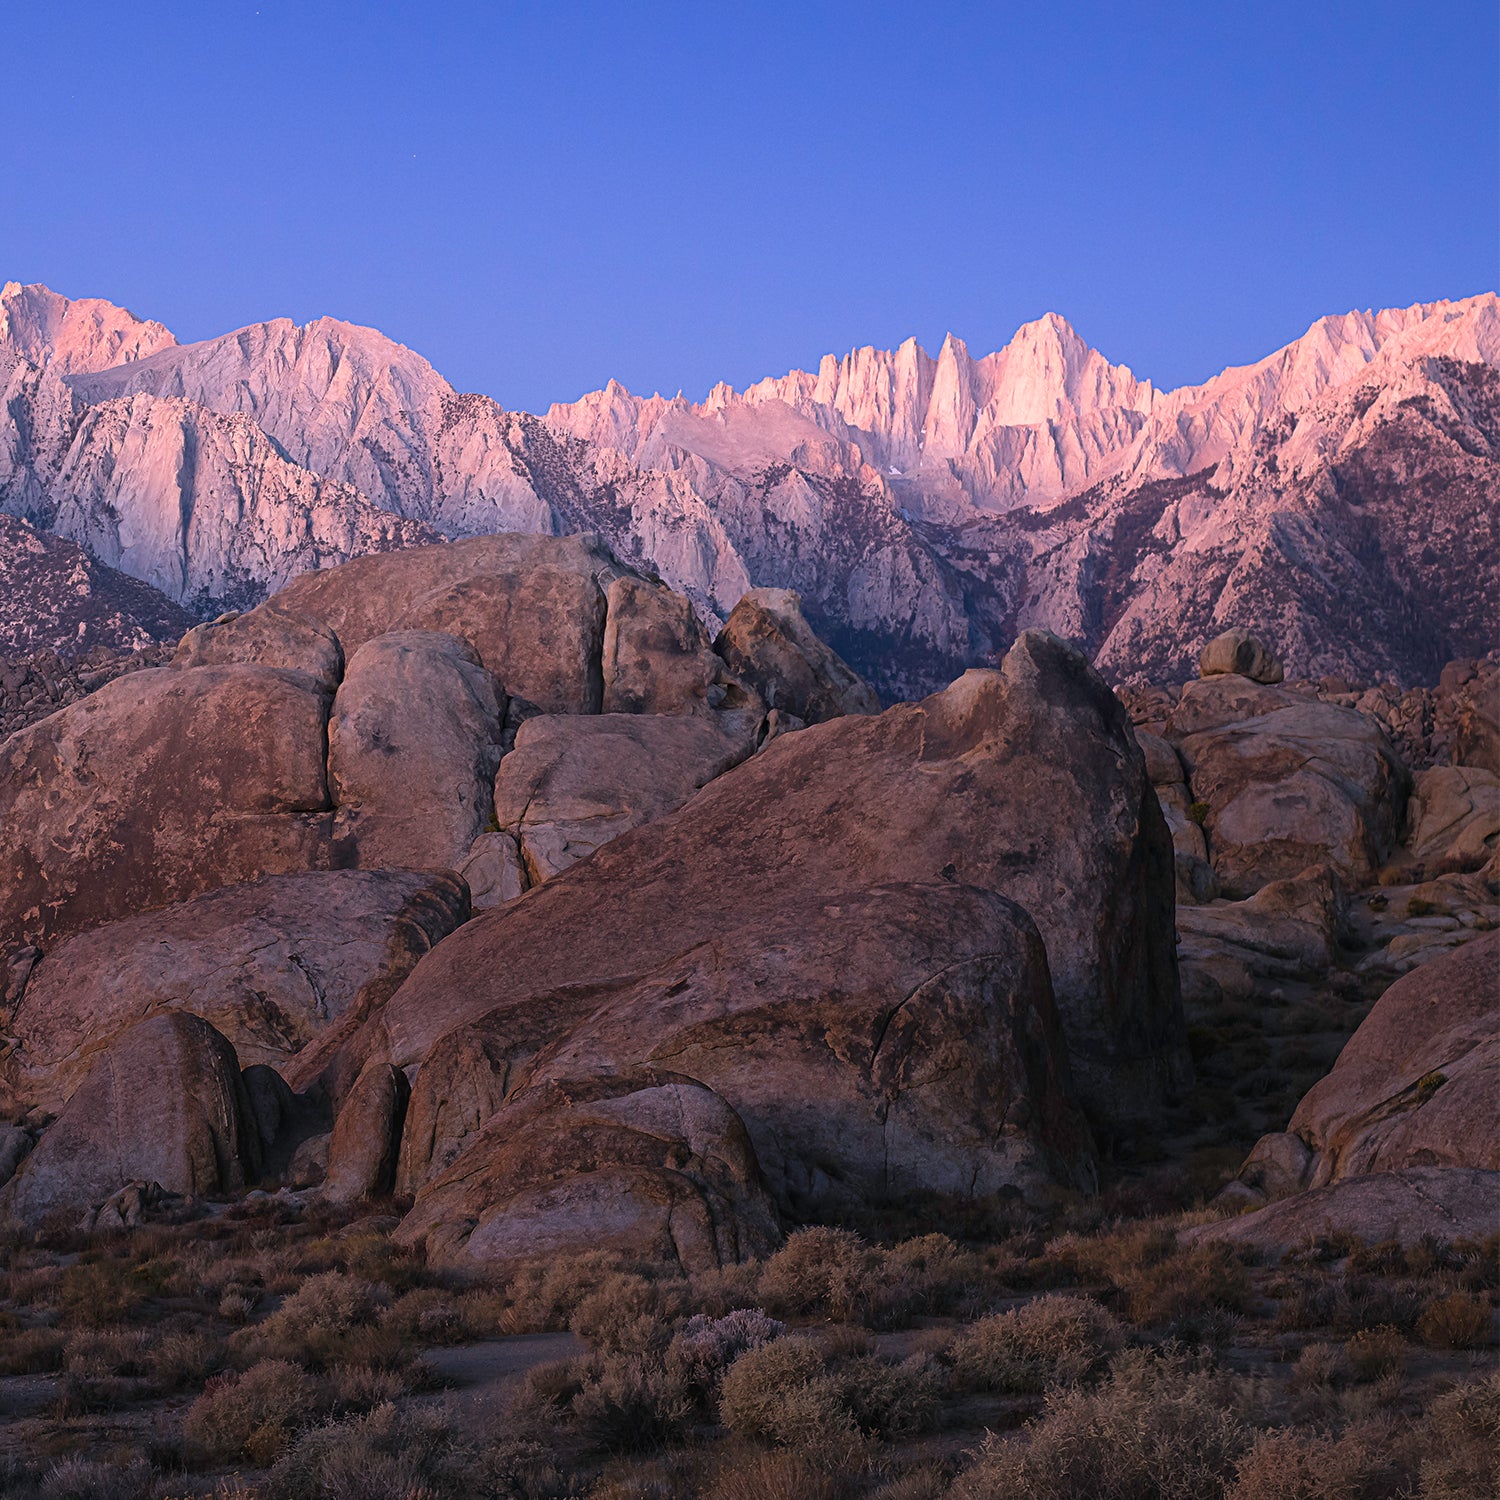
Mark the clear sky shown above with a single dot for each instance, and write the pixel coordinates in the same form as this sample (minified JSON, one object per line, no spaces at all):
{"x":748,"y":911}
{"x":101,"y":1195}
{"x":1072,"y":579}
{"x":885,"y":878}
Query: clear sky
{"x":538,"y":196}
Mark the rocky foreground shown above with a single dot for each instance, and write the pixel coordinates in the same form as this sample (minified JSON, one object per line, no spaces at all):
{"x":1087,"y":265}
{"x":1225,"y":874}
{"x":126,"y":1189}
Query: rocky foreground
{"x":480,"y":874}
{"x":457,"y":1014}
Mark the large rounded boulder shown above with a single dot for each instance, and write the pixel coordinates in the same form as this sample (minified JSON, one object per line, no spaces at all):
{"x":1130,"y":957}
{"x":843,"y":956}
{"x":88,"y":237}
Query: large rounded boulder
{"x":888,"y":1043}
{"x":1026,"y":782}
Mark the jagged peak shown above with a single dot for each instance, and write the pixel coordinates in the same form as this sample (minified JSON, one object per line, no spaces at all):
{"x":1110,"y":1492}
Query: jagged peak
{"x":74,"y":334}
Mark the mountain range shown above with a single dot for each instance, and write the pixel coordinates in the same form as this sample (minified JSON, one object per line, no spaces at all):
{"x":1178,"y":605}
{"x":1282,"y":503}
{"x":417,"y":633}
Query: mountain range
{"x":1338,"y":497}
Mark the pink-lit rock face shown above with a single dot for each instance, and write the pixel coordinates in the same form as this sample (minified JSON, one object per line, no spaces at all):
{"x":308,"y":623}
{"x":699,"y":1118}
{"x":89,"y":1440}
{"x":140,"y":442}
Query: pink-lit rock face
{"x":926,"y":508}
{"x":74,"y":336}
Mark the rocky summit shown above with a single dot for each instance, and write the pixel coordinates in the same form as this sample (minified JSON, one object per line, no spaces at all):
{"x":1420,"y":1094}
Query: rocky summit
{"x":1338,"y":495}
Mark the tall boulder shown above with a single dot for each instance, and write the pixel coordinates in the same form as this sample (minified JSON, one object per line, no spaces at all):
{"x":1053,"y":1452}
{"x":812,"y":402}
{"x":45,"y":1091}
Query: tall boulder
{"x":162,"y":1104}
{"x":367,"y":1135}
{"x":413,"y":745}
{"x":658,"y":659}
{"x":768,"y":643}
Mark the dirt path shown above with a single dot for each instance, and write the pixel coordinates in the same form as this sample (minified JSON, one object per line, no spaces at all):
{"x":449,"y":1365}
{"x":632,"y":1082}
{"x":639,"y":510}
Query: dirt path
{"x":478,"y":1376}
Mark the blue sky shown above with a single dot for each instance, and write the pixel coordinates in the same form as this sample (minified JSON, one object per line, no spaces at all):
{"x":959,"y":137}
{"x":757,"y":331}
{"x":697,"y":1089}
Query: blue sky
{"x":540,"y":196}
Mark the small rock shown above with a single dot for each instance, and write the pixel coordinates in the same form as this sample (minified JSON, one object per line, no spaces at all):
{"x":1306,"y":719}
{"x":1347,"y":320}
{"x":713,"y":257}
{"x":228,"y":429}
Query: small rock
{"x":1239,"y":652}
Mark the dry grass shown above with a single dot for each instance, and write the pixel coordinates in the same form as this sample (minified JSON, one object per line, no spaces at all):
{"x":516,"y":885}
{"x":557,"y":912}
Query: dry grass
{"x":1375,"y":1353}
{"x":1289,"y":1465}
{"x":628,"y":1311}
{"x":387,"y":1455}
{"x":632,"y":1403}
{"x":708,"y":1386}
{"x":795,"y":1393}
{"x":777,"y":1476}
{"x":1462,"y":1444}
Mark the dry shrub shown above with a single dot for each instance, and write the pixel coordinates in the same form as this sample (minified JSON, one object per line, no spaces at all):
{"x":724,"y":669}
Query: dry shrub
{"x":1054,"y":1339}
{"x":626,"y":1311}
{"x":782,"y":1475}
{"x":1307,"y":1302}
{"x":387,"y":1455}
{"x":724,"y":1288}
{"x":181,"y":1359}
{"x":1375,"y":1353}
{"x":923,"y":1277}
{"x":1116,"y":1256}
{"x":521,"y":1468}
{"x":793,"y":1393}
{"x":782,"y":1393}
{"x":236,"y":1306}
{"x":1384,"y":1258}
{"x":1292,"y":1465}
{"x":925,"y":1482}
{"x":1374,"y":1302}
{"x":1462,"y":1444}
{"x":893,"y":1401}
{"x":819,"y":1271}
{"x":1156,"y":1429}
{"x":364,"y":1387}
{"x":1459,"y":1321}
{"x":1187,"y":1289}
{"x":97,"y":1294}
{"x":329,"y":1319}
{"x":1478,"y":1263}
{"x":430,"y":1315}
{"x":108,"y":1351}
{"x":631,"y":1403}
{"x":706,"y":1347}
{"x":1320,"y":1366}
{"x":542,"y":1295}
{"x":79,"y":1478}
{"x":252,"y":1415}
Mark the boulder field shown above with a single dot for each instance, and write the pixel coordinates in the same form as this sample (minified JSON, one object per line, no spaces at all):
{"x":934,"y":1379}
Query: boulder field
{"x":745,"y":949}
{"x":482,"y":875}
